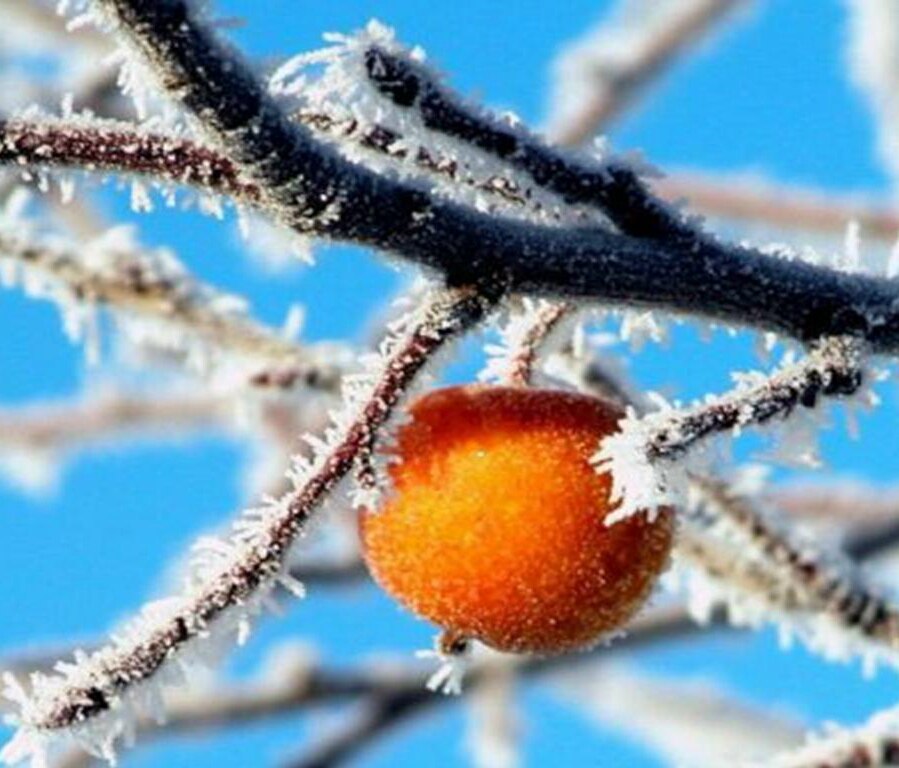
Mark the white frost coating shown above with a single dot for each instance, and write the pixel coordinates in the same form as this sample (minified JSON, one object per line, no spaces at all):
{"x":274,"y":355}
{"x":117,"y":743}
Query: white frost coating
{"x":333,"y":83}
{"x":154,"y":302}
{"x":450,"y":673}
{"x":639,"y":326}
{"x":134,"y":79}
{"x":689,"y":723}
{"x":743,"y":567}
{"x":638,"y":484}
{"x":867,"y":745}
{"x":873,"y":54}
{"x":642,"y":480}
{"x":503,"y":359}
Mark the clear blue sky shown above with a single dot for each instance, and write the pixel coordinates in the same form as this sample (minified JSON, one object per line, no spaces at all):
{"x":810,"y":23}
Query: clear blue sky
{"x":770,"y":95}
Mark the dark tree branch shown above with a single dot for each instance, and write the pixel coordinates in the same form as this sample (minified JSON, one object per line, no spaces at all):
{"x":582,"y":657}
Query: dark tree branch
{"x":376,"y":716}
{"x":611,"y":186}
{"x":308,"y":186}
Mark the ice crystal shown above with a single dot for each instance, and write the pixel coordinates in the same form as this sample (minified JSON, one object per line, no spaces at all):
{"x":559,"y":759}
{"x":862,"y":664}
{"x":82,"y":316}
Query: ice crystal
{"x":450,"y":672}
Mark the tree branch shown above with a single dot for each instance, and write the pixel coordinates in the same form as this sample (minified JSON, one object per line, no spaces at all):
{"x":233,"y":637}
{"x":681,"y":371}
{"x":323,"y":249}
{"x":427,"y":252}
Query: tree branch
{"x":611,"y":83}
{"x":308,"y":186}
{"x":824,"y":600}
{"x":120,"y":147}
{"x":92,"y":698}
{"x":113,"y":272}
{"x":780,"y":206}
{"x":646,"y":457}
{"x":56,"y":426}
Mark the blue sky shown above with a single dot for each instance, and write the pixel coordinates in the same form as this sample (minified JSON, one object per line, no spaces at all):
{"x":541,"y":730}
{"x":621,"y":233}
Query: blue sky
{"x":769,"y":95}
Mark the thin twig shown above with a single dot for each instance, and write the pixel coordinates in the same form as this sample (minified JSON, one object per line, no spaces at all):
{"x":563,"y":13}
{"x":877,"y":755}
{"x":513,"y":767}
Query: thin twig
{"x":777,"y":205}
{"x":614,"y":84}
{"x":376,"y":715}
{"x":647,"y":457}
{"x":739,"y":558}
{"x":524,"y":358}
{"x":119,"y":147}
{"x":151,"y":285}
{"x":56,"y":426}
{"x":833,"y":369}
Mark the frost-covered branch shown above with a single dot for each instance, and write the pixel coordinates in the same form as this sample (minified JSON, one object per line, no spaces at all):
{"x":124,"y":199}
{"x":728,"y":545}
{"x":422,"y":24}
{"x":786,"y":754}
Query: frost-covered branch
{"x":33,"y":439}
{"x":92,"y":699}
{"x":833,"y":369}
{"x":523,"y":339}
{"x":779,"y":206}
{"x":874,"y":744}
{"x":687,"y":723}
{"x":41,"y":144}
{"x":612,"y":186}
{"x":154,"y":298}
{"x":57,"y":425}
{"x":647,"y":458}
{"x":308,"y":186}
{"x":120,"y":147}
{"x":779,"y":578}
{"x":601,"y":74}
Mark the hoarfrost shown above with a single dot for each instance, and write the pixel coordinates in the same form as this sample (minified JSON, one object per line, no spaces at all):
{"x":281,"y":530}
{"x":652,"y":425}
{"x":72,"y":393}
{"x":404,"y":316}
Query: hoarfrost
{"x":332,"y":90}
